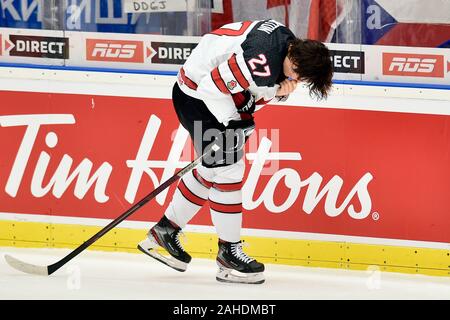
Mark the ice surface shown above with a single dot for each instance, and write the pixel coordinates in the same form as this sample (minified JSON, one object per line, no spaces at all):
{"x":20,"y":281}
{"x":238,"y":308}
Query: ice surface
{"x":108,"y":275}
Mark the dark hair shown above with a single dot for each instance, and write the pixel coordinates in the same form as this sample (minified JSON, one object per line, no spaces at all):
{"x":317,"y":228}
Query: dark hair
{"x":312,"y":63}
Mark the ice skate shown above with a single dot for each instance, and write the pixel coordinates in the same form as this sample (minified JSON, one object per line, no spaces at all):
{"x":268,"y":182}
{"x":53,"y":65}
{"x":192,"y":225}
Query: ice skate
{"x":236,"y":267}
{"x":165,"y":234}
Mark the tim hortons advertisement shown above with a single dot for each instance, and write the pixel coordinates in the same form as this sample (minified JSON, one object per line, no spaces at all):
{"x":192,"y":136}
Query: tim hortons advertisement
{"x":332,"y":171}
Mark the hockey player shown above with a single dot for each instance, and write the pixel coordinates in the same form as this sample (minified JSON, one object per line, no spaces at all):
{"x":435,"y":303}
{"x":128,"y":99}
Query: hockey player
{"x":232,"y":73}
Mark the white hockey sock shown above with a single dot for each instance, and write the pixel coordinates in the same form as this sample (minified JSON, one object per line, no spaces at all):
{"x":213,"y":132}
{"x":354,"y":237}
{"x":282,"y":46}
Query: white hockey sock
{"x":225,"y":201}
{"x":191,"y":194}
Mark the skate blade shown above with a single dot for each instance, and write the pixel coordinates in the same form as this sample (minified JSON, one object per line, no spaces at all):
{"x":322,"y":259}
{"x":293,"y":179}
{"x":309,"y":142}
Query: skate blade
{"x":232,"y":276}
{"x":149,"y":247}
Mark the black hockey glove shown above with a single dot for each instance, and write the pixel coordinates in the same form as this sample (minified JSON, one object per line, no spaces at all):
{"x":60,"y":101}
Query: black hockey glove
{"x":244,"y":102}
{"x":236,"y":134}
{"x":231,"y":143}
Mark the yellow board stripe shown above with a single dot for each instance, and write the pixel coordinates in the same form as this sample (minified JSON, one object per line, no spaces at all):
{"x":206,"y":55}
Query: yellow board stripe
{"x":326,"y":254}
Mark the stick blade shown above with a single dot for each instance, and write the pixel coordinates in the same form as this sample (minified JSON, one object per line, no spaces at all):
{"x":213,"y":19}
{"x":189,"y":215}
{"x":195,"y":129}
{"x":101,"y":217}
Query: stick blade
{"x":26,"y":267}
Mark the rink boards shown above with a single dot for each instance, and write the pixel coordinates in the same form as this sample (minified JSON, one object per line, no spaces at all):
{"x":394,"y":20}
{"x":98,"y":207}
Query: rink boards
{"x":360,"y":181}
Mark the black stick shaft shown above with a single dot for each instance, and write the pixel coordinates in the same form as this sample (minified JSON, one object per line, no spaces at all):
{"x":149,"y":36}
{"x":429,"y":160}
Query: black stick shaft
{"x":52,"y":268}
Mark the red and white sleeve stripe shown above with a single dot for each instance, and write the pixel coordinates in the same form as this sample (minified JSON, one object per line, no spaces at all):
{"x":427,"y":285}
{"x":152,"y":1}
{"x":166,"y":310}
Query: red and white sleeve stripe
{"x":231,"y":76}
{"x":216,"y":89}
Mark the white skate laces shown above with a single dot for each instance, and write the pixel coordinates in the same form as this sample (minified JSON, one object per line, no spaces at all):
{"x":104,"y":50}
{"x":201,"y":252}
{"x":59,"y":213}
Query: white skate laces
{"x":178,"y":258}
{"x":236,"y":250}
{"x":239,"y":268}
{"x":177,"y":239}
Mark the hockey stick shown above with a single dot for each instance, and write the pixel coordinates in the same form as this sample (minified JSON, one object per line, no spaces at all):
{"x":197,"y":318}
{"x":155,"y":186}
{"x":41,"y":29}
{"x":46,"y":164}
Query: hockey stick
{"x":48,"y":270}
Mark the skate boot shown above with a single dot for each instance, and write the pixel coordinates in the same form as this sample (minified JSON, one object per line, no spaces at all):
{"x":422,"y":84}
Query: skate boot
{"x":165,"y":234}
{"x":235,"y":266}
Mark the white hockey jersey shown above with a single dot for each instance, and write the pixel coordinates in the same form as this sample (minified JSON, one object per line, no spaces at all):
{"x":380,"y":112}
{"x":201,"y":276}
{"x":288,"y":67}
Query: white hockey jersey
{"x":239,"y":56}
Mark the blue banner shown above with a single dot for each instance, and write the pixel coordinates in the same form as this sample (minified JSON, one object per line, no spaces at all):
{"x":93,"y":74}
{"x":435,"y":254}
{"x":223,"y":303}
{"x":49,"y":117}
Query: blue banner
{"x":21,"y":14}
{"x":88,"y":15}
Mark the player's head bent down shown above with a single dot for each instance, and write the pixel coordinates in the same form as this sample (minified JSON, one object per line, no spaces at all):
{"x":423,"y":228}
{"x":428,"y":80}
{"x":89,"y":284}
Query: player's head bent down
{"x":309,"y":61}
